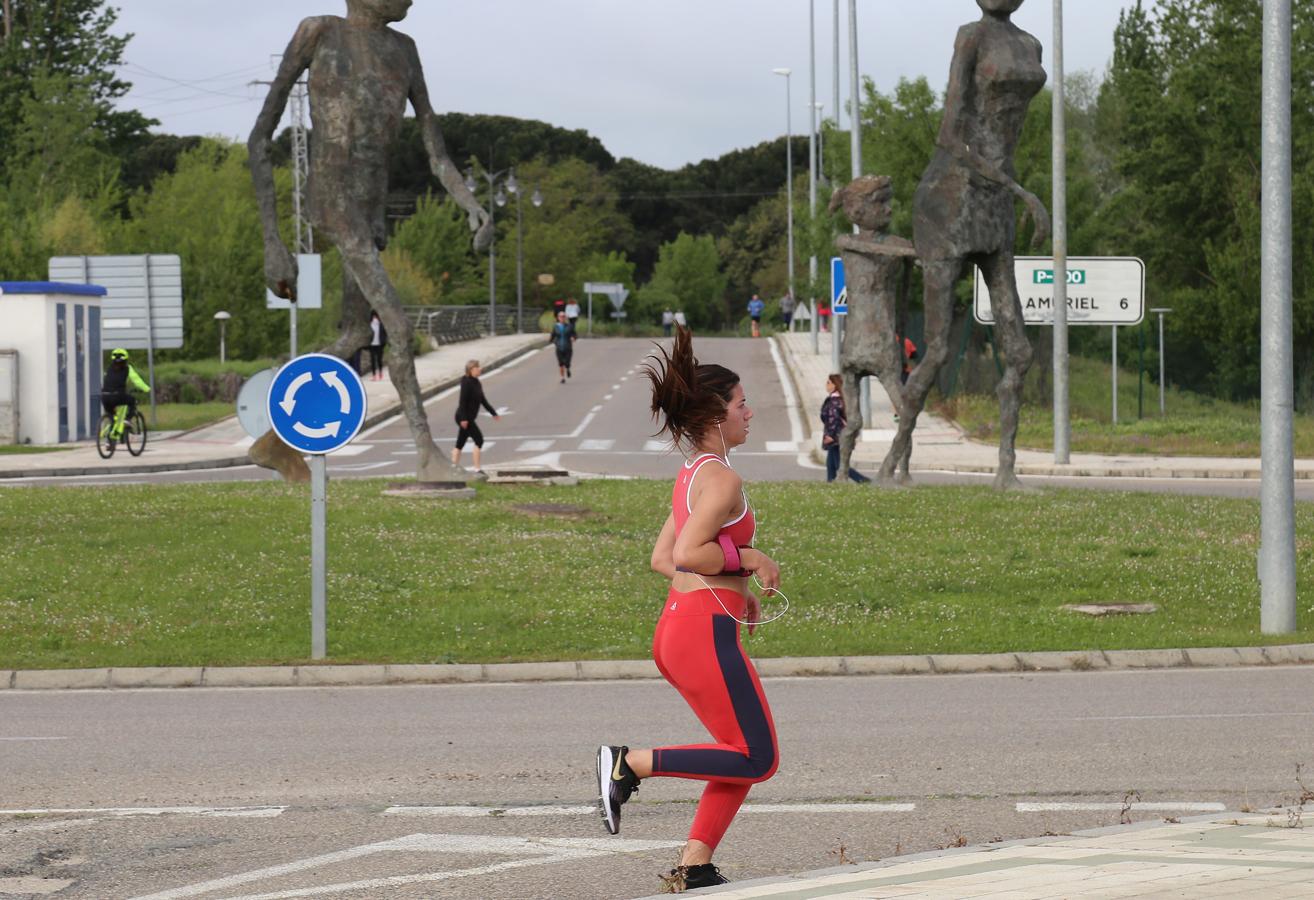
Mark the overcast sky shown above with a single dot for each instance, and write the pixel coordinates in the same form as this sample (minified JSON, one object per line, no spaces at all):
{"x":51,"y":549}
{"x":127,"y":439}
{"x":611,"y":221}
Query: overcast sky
{"x":665,"y":82}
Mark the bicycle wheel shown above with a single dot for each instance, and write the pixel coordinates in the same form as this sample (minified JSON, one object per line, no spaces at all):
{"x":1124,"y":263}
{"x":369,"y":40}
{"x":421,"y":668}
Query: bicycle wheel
{"x":134,"y":435}
{"x":104,"y":440}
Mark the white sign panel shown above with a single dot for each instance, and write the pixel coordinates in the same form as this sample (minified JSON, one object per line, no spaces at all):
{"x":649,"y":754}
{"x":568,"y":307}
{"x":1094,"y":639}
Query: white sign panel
{"x":310,"y":285}
{"x":1102,"y":290}
{"x":143,"y":300}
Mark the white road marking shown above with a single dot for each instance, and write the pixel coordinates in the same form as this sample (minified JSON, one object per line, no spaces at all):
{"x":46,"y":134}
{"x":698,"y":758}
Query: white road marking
{"x":470,"y":812}
{"x":1131,"y":807}
{"x":828,"y":807}
{"x":596,"y":445}
{"x":608,"y":397}
{"x":353,"y":450}
{"x":205,"y":812}
{"x":804,"y":459}
{"x":1183,"y":716}
{"x":504,"y":411}
{"x":363,"y":467}
{"x":579,"y":429}
{"x":531,"y":852}
{"x":781,"y":447}
{"x":597,"y":408}
{"x":656,"y":446}
{"x":615,"y":387}
{"x":406,"y":453}
{"x":534,"y":446}
{"x":547,"y":460}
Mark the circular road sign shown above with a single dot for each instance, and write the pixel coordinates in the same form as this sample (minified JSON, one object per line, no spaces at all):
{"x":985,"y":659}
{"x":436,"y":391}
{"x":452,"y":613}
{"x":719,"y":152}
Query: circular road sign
{"x":316,"y":403}
{"x":251,"y":403}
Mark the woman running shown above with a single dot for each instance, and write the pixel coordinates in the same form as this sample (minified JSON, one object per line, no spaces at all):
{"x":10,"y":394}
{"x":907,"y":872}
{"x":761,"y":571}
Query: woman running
{"x":705,"y":548}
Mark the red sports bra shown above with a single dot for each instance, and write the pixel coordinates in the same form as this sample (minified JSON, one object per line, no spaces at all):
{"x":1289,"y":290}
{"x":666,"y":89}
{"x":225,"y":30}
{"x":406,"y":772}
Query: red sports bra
{"x":741,"y":530}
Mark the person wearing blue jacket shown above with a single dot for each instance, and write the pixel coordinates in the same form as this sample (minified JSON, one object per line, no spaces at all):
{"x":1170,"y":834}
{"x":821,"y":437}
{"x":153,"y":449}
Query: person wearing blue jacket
{"x":755,"y":307}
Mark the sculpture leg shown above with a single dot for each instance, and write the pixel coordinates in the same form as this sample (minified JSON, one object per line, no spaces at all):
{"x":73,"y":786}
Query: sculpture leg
{"x":1017,"y":355}
{"x":361,"y":262}
{"x":853,"y":416}
{"x":939,"y":277}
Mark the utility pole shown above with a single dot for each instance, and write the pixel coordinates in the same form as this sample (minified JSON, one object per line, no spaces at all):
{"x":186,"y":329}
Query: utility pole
{"x":1062,"y":420}
{"x":1277,"y":492}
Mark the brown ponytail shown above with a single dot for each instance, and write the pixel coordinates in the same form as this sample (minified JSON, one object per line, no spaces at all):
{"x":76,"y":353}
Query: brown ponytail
{"x":688,"y":398}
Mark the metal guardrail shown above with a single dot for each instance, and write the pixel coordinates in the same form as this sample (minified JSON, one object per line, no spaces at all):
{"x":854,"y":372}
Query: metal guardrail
{"x":453,"y":324}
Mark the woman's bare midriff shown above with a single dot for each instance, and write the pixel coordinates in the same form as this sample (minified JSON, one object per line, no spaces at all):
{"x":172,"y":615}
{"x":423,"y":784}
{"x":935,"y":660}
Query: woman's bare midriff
{"x":687,"y":583}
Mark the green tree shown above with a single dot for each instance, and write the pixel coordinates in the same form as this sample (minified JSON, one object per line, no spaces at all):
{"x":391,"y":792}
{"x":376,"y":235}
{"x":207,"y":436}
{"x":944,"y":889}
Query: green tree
{"x":64,"y":38}
{"x":436,"y":240}
{"x":688,"y":276}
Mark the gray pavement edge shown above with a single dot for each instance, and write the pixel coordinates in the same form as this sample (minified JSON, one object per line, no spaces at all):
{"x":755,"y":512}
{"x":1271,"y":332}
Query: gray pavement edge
{"x":610,"y":670}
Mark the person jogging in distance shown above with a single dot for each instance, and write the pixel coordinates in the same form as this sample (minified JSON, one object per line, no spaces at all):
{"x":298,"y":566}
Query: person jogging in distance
{"x":705,"y":548}
{"x":563,"y":339}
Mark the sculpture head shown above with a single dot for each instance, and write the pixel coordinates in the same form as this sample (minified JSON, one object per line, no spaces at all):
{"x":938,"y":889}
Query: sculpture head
{"x":378,"y":11}
{"x":866,"y":201}
{"x":1003,"y":8}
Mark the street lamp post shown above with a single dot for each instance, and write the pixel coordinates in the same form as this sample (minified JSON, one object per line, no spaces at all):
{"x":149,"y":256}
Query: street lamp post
{"x":537,"y":199}
{"x":491,"y":178}
{"x":1160,"y":311}
{"x":789,"y":176}
{"x":812,"y":152}
{"x":222,"y":318}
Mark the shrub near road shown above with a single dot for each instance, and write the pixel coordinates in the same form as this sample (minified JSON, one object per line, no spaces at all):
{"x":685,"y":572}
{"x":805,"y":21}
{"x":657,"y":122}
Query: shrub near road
{"x":219,"y":574}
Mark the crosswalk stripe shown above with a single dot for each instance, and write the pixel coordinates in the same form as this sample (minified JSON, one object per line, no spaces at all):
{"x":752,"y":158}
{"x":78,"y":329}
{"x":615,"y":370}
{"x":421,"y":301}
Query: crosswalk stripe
{"x":595,"y":444}
{"x":534,"y":446}
{"x":656,"y":446}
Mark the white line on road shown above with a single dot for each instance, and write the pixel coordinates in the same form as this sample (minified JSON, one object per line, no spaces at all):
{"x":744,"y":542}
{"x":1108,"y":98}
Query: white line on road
{"x":608,"y":397}
{"x":470,"y":812}
{"x":579,"y":429}
{"x":1183,"y":716}
{"x":781,"y":447}
{"x":532,"y":852}
{"x":362,"y":467}
{"x":656,"y":446}
{"x":1130,"y":807}
{"x":207,"y":812}
{"x":534,"y":446}
{"x":828,"y":807}
{"x":596,"y":444}
{"x":804,"y":459}
{"x":597,"y":408}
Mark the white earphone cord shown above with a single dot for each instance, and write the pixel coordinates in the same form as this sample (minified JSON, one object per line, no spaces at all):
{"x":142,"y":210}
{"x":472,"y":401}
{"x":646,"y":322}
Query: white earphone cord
{"x":726,"y":455}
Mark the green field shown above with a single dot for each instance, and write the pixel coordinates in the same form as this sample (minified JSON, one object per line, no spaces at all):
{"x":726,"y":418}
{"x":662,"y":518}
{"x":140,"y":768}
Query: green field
{"x":219,"y":574}
{"x":1195,"y":425}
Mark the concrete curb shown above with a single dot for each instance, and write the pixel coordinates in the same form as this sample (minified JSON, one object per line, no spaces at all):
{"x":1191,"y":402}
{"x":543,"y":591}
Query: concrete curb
{"x":635,"y":669}
{"x":387,"y":412}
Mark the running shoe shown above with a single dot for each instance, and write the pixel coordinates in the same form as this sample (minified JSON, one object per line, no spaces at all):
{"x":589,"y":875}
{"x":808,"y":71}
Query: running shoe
{"x":691,"y":878}
{"x":616,"y":782}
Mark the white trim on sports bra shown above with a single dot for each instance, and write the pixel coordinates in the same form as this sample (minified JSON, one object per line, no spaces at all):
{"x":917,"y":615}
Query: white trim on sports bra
{"x":697,"y":463}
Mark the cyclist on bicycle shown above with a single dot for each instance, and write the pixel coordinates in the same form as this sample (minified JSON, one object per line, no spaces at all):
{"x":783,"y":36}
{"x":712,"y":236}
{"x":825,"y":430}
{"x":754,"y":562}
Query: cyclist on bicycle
{"x":119,"y":377}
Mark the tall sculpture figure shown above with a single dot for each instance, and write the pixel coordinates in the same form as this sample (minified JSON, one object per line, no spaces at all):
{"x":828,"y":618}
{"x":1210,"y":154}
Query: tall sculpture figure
{"x":876,"y":269}
{"x":963,"y":211}
{"x":361,"y":74}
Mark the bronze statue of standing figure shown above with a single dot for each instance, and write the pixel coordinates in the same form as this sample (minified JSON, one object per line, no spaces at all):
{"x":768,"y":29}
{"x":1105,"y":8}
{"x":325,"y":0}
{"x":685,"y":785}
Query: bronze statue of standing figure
{"x":963,"y":211}
{"x":361,"y":75}
{"x":876,"y":269}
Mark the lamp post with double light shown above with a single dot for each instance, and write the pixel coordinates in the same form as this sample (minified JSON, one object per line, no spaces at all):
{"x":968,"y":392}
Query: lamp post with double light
{"x":492,"y":177}
{"x":501,"y":199}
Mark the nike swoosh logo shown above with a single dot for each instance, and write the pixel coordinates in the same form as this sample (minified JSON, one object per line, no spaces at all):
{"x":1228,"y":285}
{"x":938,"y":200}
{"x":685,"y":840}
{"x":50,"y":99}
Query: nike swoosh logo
{"x":616,"y":772}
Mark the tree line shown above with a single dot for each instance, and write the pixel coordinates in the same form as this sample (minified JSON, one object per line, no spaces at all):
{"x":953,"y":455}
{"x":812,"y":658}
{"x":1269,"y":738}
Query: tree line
{"x":1163,"y":163}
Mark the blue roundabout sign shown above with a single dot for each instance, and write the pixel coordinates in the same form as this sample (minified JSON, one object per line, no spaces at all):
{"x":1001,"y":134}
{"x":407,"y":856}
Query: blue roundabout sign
{"x":316,"y":403}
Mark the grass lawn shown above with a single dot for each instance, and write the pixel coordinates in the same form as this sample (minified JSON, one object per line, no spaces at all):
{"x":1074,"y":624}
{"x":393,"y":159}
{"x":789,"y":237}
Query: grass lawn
{"x":17,"y":449}
{"x":1195,"y":425}
{"x":218,"y":574}
{"x":185,"y":416}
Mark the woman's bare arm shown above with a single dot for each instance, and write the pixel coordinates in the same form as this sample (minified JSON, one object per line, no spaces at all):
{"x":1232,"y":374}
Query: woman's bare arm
{"x":663,"y":552}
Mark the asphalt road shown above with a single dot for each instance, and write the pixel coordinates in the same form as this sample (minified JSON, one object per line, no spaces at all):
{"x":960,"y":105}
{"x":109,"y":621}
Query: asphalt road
{"x":486,"y":790}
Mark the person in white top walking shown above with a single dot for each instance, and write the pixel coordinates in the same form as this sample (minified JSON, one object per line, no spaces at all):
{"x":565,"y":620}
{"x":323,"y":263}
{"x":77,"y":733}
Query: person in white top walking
{"x":378,"y":340}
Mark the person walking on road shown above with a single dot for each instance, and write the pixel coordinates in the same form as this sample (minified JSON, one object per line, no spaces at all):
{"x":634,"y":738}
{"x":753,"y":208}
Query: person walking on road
{"x":755,"y":307}
{"x":563,"y":339}
{"x":572,"y":312}
{"x":668,"y":320}
{"x":706,"y":550}
{"x":378,"y":340}
{"x":680,"y":319}
{"x":833,"y":421}
{"x":467,"y":408}
{"x":787,"y":305}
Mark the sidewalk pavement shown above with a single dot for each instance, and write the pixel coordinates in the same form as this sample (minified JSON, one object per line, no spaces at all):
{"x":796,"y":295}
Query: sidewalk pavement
{"x":940,"y":446}
{"x":225,"y":443}
{"x":1221,"y":855}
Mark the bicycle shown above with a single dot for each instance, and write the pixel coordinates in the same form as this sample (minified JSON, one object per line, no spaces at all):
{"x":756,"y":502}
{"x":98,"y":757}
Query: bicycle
{"x":121,"y":428}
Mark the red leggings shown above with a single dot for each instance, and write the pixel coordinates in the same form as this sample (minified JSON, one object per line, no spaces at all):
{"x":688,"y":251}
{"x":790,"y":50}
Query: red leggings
{"x":696,"y":647}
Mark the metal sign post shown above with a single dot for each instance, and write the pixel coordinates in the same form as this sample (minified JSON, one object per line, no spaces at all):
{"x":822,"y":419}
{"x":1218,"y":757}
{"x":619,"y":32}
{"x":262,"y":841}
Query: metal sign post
{"x":316,"y":404}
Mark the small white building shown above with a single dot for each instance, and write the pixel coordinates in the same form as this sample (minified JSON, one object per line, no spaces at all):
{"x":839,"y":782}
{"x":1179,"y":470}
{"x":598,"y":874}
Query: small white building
{"x":50,"y":361}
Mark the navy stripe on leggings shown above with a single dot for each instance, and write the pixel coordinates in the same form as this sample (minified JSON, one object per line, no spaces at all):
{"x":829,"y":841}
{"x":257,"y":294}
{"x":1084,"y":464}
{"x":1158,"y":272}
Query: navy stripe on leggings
{"x":748,"y":711}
